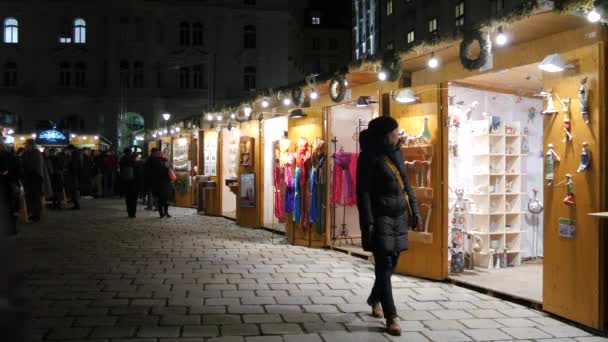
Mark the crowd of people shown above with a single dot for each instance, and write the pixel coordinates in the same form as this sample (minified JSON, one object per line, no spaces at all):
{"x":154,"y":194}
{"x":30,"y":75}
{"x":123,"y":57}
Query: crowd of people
{"x":71,"y":173}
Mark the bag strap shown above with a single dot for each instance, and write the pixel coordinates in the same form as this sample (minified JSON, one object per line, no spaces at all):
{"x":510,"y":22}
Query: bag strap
{"x":395,"y":171}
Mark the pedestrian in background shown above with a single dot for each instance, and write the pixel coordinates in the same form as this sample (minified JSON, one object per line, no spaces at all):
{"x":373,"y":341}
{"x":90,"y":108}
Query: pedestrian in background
{"x":33,"y":177}
{"x":54,"y":166}
{"x":10,"y":187}
{"x":86,"y":173}
{"x":110,"y":167}
{"x":387,"y":210}
{"x":160,"y":182}
{"x":128,"y":181}
{"x":71,"y":174}
{"x":98,"y":173}
{"x":148,"y":179}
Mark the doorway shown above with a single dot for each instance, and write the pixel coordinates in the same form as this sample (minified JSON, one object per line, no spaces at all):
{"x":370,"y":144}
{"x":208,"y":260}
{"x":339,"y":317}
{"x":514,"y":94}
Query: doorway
{"x":495,"y":168}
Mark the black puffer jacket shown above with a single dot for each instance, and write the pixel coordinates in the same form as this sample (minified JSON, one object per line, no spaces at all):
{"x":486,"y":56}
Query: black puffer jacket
{"x":383,"y":212}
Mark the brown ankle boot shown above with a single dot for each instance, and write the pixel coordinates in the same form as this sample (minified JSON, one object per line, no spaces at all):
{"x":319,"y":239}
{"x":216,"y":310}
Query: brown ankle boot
{"x":377,"y":311}
{"x":393,"y":327}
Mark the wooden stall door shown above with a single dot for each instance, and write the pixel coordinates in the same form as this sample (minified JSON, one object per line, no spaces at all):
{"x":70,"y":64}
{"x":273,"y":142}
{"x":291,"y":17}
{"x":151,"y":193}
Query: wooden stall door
{"x":427,"y":256}
{"x":572,"y":275}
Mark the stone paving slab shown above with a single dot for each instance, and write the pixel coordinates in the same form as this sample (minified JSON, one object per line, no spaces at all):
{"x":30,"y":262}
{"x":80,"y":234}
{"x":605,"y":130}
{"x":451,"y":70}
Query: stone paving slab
{"x":94,"y":275}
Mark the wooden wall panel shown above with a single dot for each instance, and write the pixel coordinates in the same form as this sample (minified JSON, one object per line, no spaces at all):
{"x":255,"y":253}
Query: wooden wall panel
{"x":423,"y":259}
{"x":251,"y":217}
{"x":572,"y":266}
{"x":310,"y":128}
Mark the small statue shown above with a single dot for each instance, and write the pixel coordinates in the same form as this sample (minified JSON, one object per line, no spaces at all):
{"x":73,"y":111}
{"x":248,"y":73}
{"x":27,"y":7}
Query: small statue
{"x":585,"y":159}
{"x":426,"y":132}
{"x":583,"y":97}
{"x":535,"y":206}
{"x":550,"y":164}
{"x":459,"y":211}
{"x":569,"y":199}
{"x":548,"y":95}
{"x":567,"y":124}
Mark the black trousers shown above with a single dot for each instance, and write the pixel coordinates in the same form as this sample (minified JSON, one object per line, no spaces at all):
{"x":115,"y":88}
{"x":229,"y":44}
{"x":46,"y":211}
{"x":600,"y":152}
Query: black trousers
{"x":382,"y":292}
{"x":162,"y":203}
{"x":131,"y":200}
{"x":33,"y":196}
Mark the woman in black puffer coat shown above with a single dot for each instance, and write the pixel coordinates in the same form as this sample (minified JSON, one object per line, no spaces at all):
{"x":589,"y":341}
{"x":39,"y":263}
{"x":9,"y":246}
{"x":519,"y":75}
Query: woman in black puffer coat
{"x":160,"y":183}
{"x":387,"y":210}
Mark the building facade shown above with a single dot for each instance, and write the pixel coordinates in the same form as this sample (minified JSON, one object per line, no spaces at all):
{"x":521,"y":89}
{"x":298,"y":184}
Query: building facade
{"x":81,"y":65}
{"x":380,"y":25}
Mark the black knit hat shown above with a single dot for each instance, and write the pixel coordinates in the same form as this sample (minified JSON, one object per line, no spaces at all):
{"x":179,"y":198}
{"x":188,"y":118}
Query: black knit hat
{"x":382,"y":125}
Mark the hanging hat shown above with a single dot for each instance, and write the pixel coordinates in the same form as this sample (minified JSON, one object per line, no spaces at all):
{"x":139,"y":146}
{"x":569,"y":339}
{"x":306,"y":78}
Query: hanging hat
{"x":381,"y":126}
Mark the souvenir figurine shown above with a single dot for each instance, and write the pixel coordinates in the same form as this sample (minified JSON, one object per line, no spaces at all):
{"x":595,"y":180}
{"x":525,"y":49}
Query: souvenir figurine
{"x":459,"y":211}
{"x":535,"y":207}
{"x":585,"y":159}
{"x":569,"y":199}
{"x":531,"y":114}
{"x":583,"y":97}
{"x":426,"y":132}
{"x":567,"y":124}
{"x":494,"y":123}
{"x":548,"y":95}
{"x":550,"y":164}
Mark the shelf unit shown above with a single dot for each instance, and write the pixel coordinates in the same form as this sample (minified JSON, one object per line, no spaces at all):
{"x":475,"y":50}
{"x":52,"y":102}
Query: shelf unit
{"x":497,"y":212}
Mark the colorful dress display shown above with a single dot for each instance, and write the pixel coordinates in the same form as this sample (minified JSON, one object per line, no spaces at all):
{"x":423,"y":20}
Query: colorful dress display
{"x":344,"y":176}
{"x":317,"y":184}
{"x":302,"y":194}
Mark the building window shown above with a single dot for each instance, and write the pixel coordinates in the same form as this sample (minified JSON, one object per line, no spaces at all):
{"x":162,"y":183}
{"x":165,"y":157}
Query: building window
{"x":124,"y":74}
{"x":249,"y":79}
{"x":389,"y":8}
{"x":64,"y":74}
{"x":138,"y":74}
{"x":10,"y":74}
{"x":411,"y":37}
{"x":316,"y":43}
{"x":66,"y":33}
{"x":433,"y":25}
{"x":184,"y":78}
{"x":80,"y":31}
{"x":184,"y":33}
{"x":333,"y":44}
{"x":390,"y":46}
{"x":197,"y":34}
{"x":79,"y":75}
{"x":11,"y":31}
{"x":496,"y":6}
{"x":459,"y":14}
{"x":316,"y":20}
{"x":199,"y":77}
{"x":249,"y":37}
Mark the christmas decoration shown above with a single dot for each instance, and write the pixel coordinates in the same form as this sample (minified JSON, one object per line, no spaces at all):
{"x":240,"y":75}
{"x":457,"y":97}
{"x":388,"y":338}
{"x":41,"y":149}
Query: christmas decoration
{"x":485,"y":49}
{"x":337,"y":88}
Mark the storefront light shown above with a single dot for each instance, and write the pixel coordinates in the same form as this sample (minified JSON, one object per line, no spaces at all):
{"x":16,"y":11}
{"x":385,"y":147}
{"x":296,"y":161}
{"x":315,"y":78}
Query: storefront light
{"x":346,"y":83}
{"x":554,"y":63}
{"x":209,"y":117}
{"x":160,"y":134}
{"x":297,"y":114}
{"x":287,"y":101}
{"x":433,"y":62}
{"x":10,"y":131}
{"x":501,"y":37}
{"x":96,"y":137}
{"x":166,"y":116}
{"x":33,"y":135}
{"x":154,"y":135}
{"x":73,"y":136}
{"x":382,"y":76}
{"x":22,"y":138}
{"x":314,"y":95}
{"x":172,"y":131}
{"x":177,"y":129}
{"x":265,"y":104}
{"x":406,"y":96}
{"x":219,"y":118}
{"x":247,"y":110}
{"x":165,"y":131}
{"x":594,"y":16}
{"x":233,"y":115}
{"x":85,"y":137}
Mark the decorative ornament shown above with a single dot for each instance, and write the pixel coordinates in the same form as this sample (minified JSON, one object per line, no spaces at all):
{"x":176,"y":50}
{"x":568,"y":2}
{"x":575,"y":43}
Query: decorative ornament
{"x":535,"y":207}
{"x":548,"y":95}
{"x":567,"y":124}
{"x":485,"y":46}
{"x":297,"y":96}
{"x":531,"y":114}
{"x":550,"y":164}
{"x":583,"y":97}
{"x":337,"y":88}
{"x":585,"y":159}
{"x":569,"y":199}
{"x":426,"y":132}
{"x":391,"y":65}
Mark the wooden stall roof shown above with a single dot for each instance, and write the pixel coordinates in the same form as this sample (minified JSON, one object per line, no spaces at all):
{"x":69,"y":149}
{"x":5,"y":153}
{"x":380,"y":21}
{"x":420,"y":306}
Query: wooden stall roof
{"x":540,"y":23}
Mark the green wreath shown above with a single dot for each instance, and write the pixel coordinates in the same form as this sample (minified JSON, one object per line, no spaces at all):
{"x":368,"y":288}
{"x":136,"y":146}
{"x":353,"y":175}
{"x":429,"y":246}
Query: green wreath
{"x":391,"y":64}
{"x":337,"y":88}
{"x":297,"y":96}
{"x":484,"y":52}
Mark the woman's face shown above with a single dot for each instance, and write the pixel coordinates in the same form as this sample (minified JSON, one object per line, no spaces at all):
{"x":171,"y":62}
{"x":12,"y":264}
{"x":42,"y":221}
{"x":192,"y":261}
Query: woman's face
{"x":393,"y":137}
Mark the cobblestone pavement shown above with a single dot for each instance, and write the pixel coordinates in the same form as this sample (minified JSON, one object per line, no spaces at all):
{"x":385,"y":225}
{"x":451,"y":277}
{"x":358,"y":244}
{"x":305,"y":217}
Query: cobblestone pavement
{"x":95,"y":275}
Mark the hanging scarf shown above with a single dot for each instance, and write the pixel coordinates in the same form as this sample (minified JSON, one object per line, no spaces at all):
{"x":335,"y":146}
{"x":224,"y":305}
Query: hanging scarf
{"x":343,"y":189}
{"x":297,"y":197}
{"x":312,"y":215}
{"x":321,"y":191}
{"x":278,"y":205}
{"x":289,"y":190}
{"x":302,"y":160}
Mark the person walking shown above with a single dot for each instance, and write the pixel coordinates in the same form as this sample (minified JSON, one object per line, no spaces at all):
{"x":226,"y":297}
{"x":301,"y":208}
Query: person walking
{"x":98,"y":173}
{"x":160,"y":182}
{"x":54,"y":166}
{"x":387,"y":210}
{"x":110,"y":166}
{"x":86,"y":173}
{"x":71,"y":173}
{"x":128,"y":180}
{"x":33,"y":177}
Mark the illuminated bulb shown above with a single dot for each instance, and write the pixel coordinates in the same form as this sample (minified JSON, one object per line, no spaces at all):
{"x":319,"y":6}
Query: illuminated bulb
{"x":232,"y":115}
{"x":22,"y":138}
{"x":287,"y":101}
{"x":433,"y":62}
{"x":314,"y":95}
{"x":219,"y":118}
{"x":10,"y":131}
{"x":73,"y":136}
{"x":346,"y":83}
{"x":177,"y":129}
{"x":85,"y":137}
{"x":593,"y":16}
{"x":501,"y":37}
{"x":34,"y":135}
{"x":95,"y":137}
{"x":165,"y":131}
{"x":382,"y":76}
{"x":172,"y":131}
{"x":209,"y":117}
{"x":265,"y":104}
{"x":160,"y":133}
{"x":247,"y":111}
{"x":154,"y":135}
